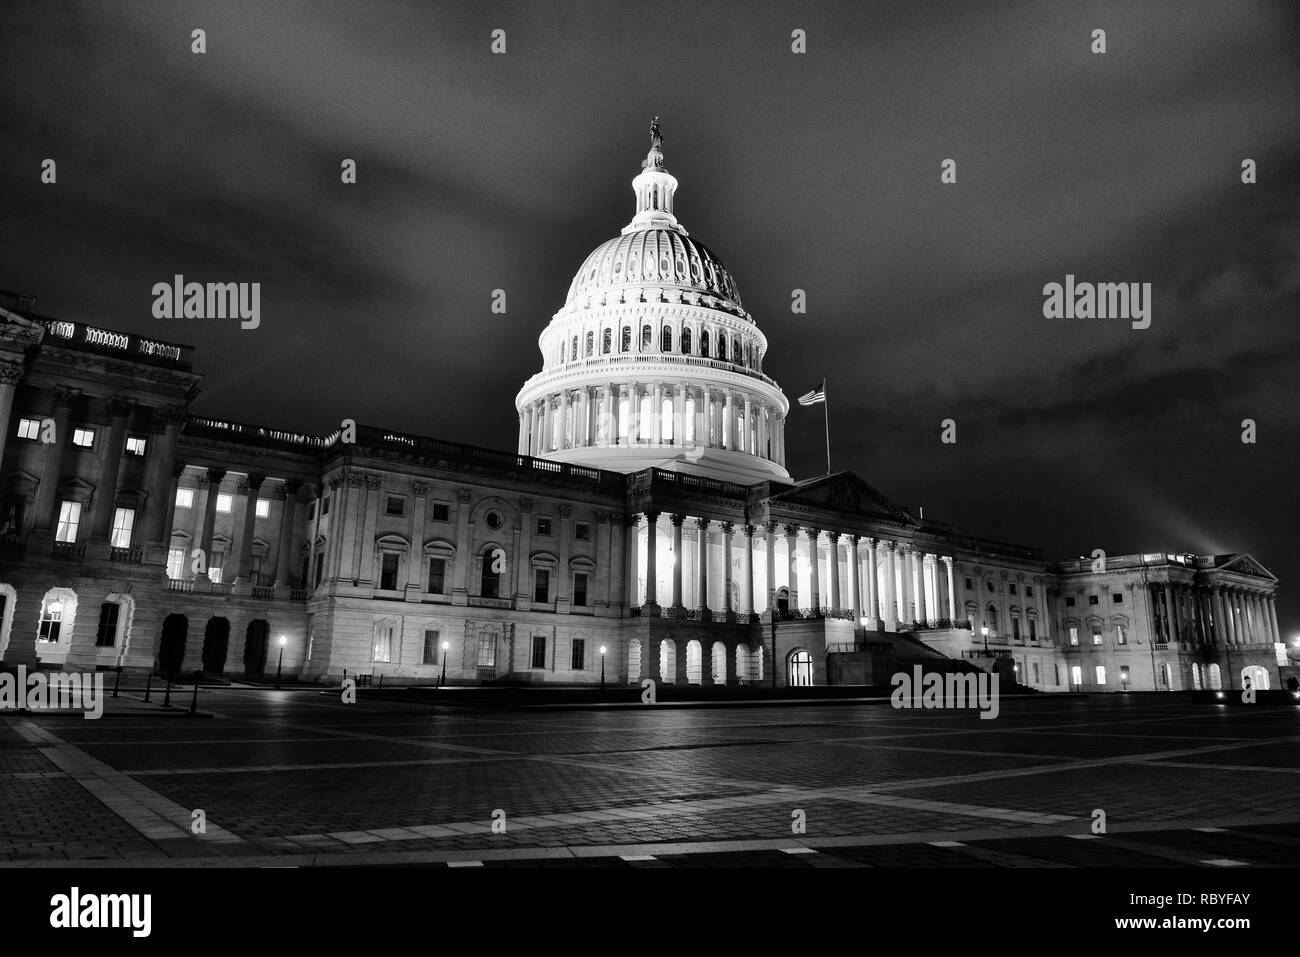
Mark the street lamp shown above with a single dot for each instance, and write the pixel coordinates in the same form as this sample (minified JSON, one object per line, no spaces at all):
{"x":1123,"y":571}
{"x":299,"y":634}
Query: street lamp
{"x":984,"y":630}
{"x":445,"y":646}
{"x":602,"y":667}
{"x":283,"y":642}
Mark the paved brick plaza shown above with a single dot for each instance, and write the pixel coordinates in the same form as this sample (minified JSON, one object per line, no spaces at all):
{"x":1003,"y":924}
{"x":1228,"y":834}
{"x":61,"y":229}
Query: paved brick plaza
{"x":298,"y":777}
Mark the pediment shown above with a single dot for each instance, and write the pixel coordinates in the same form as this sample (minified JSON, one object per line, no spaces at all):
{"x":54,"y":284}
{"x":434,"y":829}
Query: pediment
{"x":1244,"y":564}
{"x":845,"y":492}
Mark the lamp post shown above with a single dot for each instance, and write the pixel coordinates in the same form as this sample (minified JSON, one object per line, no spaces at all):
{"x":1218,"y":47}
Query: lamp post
{"x":445,"y":645}
{"x":278,"y":667}
{"x":984,"y":630}
{"x":602,"y":667}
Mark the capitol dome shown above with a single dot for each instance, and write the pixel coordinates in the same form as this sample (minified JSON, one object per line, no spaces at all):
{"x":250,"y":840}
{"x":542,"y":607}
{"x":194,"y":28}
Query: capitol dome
{"x":653,"y":360}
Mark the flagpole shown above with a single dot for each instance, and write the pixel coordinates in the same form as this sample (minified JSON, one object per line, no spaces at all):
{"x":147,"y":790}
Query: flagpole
{"x":826,"y":413}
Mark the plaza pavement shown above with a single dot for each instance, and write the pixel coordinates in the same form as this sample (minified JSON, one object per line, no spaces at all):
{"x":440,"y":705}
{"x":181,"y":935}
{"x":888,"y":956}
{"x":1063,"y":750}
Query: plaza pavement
{"x":296,"y":777}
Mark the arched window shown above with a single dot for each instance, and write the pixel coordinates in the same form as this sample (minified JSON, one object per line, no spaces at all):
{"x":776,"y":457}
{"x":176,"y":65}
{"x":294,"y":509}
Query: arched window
{"x":590,"y":343}
{"x":605,"y":342}
{"x":735,"y":350}
{"x":561,"y":351}
{"x":704,"y":343}
{"x":645,"y":338}
{"x":686,"y":342}
{"x":722,"y":347}
{"x":573,"y":353}
{"x":666,"y":339}
{"x":626,"y":342}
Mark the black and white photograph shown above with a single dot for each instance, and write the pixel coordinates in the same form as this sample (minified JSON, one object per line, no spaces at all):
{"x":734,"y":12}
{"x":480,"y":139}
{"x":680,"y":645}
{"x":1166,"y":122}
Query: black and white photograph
{"x":694,"y":466}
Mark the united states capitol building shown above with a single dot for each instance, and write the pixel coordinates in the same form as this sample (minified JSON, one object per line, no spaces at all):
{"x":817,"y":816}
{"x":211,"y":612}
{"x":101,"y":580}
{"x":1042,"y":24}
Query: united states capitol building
{"x":646,"y":526}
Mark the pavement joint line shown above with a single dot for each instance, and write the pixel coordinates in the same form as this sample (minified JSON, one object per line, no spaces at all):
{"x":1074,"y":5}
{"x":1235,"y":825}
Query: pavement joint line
{"x":945,"y":843}
{"x":1225,"y":862}
{"x":1211,"y":830}
{"x":1084,"y":837}
{"x":464,"y":863}
{"x":151,"y":814}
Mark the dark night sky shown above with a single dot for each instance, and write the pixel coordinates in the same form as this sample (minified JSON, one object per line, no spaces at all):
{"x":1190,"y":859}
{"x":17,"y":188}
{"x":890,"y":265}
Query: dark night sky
{"x":816,"y":171}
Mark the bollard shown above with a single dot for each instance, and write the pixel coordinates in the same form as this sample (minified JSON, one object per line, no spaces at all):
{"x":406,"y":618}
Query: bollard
{"x":194,"y":702}
{"x":117,"y":681}
{"x":148,"y":687}
{"x":167,"y":698}
{"x":381,"y":682}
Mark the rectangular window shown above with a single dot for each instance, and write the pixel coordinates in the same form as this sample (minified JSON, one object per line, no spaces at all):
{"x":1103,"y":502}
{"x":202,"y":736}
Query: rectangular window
{"x":1029,"y":591}
{"x":580,"y":589}
{"x":396,"y":505}
{"x":11,"y":519}
{"x":51,"y":621}
{"x":1123,"y":674}
{"x":541,"y":585}
{"x":1012,"y":587}
{"x":437,"y":576}
{"x":1076,"y":675}
{"x":1074,"y":634}
{"x":214,"y":567}
{"x":29,"y":428}
{"x":106,"y":636}
{"x":543,"y":526}
{"x":1092,"y":599}
{"x":83,"y":437}
{"x":582,"y":531}
{"x":135,"y":445}
{"x":1033,"y":629}
{"x":1096,"y":634}
{"x":969,"y":585}
{"x":263,"y":508}
{"x":383,"y":642}
{"x":1069,"y":602}
{"x":123,"y":523}
{"x":487,"y":651}
{"x":578,"y":658}
{"x":539,"y":651}
{"x":1101,"y":675}
{"x":431,"y":636}
{"x":225,"y":502}
{"x":388,"y":564}
{"x":1056,"y":668}
{"x":185,"y":498}
{"x":69,"y":519}
{"x":255,"y":570}
{"x":441,"y":512}
{"x":1035,"y":672}
{"x":320,"y":568}
{"x":1015,"y":629}
{"x":1117,"y":599}
{"x":1121,"y":635}
{"x":175,"y":562}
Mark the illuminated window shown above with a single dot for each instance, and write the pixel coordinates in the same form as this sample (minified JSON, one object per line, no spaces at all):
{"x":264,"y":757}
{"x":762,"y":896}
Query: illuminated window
{"x":1123,"y":674}
{"x":135,"y":445}
{"x":51,"y":621}
{"x":185,"y":498}
{"x":1076,"y":675}
{"x":29,"y":428}
{"x":1121,"y":635}
{"x":487,"y":651}
{"x":225,"y":502}
{"x":175,"y":562}
{"x":69,"y":519}
{"x":1074,"y":634}
{"x":83,"y":437}
{"x":123,"y":522}
{"x":263,"y":508}
{"x":215,"y":566}
{"x":383,"y":641}
{"x":1096,"y":634}
{"x":1101,"y":675}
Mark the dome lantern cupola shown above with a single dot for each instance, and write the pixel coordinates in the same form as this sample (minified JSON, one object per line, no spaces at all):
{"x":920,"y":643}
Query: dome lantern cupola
{"x":654,"y":187}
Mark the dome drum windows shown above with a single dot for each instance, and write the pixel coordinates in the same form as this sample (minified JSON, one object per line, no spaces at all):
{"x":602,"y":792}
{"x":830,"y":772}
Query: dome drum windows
{"x":686,"y":342}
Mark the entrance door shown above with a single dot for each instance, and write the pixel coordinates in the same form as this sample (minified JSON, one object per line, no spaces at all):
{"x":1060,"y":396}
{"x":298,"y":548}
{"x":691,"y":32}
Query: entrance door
{"x":171,"y":649}
{"x":255,"y":641}
{"x":216,"y":640}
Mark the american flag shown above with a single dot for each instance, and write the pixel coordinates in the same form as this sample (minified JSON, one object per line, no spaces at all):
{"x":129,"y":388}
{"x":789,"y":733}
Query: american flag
{"x":814,"y":397}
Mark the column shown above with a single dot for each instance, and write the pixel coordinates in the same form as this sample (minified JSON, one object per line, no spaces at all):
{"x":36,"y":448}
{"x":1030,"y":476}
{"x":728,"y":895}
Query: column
{"x":656,"y":415}
{"x":11,"y":373}
{"x":729,"y":422}
{"x":1261,"y":632}
{"x":47,"y":492}
{"x":769,"y":534}
{"x":169,"y":509}
{"x":1043,"y":613}
{"x":523,"y":433}
{"x":923,"y":611}
{"x":582,"y":419}
{"x":702,"y":565}
{"x":161,"y":486}
{"x":521,"y":591}
{"x":249,"y":487}
{"x":747,"y":566}
{"x":727,"y":577}
{"x":1172,"y":609}
{"x":952,"y":597}
{"x":815,"y":559}
{"x":460,"y":591}
{"x":369,"y":573}
{"x":633,"y":412}
{"x":1219,"y":631}
{"x":101,"y":523}
{"x":834,"y":548}
{"x":631,"y":529}
{"x":563,"y":575}
{"x":855,"y":581}
{"x":746,"y":440}
{"x":652,"y":558}
{"x":873,"y":586}
{"x":677,"y":520}
{"x":289,"y":498}
{"x":215,"y":475}
{"x":1230,"y":615}
{"x":891,"y":597}
{"x":909,"y":615}
{"x":792,"y":557}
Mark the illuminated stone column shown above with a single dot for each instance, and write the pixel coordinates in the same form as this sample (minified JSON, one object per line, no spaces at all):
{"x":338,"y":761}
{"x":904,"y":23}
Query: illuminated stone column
{"x":47,"y":491}
{"x":631,"y":535}
{"x":702,"y":563}
{"x":769,"y":536}
{"x":747,"y":569}
{"x":833,"y":539}
{"x":891,"y":597}
{"x":792,"y":556}
{"x":250,"y":487}
{"x":873,"y":586}
{"x":101,"y":523}
{"x":652,"y":558}
{"x":677,"y":520}
{"x":215,"y":475}
{"x":908,"y":570}
{"x":729,"y":422}
{"x":922,"y":606}
{"x":855,"y":581}
{"x":289,"y":499}
{"x":727,"y":575}
{"x":814,"y":560}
